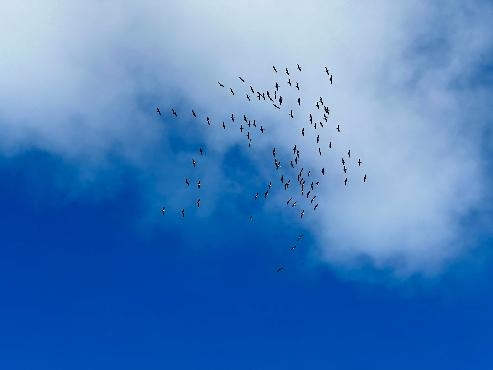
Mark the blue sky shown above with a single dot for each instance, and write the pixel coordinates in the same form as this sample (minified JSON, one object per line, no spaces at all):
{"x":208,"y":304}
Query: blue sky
{"x":394,"y":273}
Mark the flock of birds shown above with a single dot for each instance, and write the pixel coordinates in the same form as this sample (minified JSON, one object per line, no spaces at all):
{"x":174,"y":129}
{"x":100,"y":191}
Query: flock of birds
{"x":302,"y":193}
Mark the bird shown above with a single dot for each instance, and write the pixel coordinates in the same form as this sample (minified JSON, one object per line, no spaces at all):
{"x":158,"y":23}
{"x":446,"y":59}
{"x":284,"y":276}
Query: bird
{"x":252,"y":90}
{"x":311,"y":118}
{"x":297,"y":86}
{"x":330,"y":144}
{"x":251,"y":218}
{"x":256,"y":196}
{"x":364,"y":178}
{"x":326,"y":71}
{"x":279,"y":269}
{"x":344,"y":169}
{"x":208,"y":121}
{"x":232,"y":117}
{"x":163,"y":210}
{"x":248,"y":97}
{"x":342,"y":160}
{"x":242,"y":80}
{"x":349,"y":153}
{"x":258,"y":95}
{"x":244,"y":118}
{"x":201,"y":151}
{"x":220,"y":84}
{"x":193,"y":113}
{"x":276,"y":106}
{"x":289,"y":200}
{"x":282,"y":179}
{"x":183,"y":212}
{"x":198,"y":202}
{"x":299,"y":237}
{"x":261,"y":129}
{"x":309,"y":172}
{"x":187,"y":182}
{"x":345,"y":181}
{"x":319,"y":151}
{"x":173,"y":112}
{"x":292,"y":165}
{"x":232,"y":92}
{"x":289,"y":81}
{"x":293,"y":247}
{"x":241,"y":128}
{"x":291,"y":114}
{"x":293,"y":205}
{"x":280,"y":100}
{"x":299,"y":101}
{"x":299,"y":68}
{"x":294,"y":149}
{"x":302,"y":213}
{"x":330,"y":79}
{"x":323,"y":171}
{"x":158,"y":111}
{"x":321,"y":101}
{"x":277,"y":86}
{"x":303,"y":131}
{"x":318,"y":106}
{"x":318,"y":138}
{"x":266,"y":193}
{"x":198,"y":184}
{"x":311,"y":201}
{"x":314,"y":208}
{"x":359,"y":162}
{"x":275,"y":70}
{"x":270,"y":184}
{"x":224,"y":126}
{"x":287,"y":72}
{"x":193,"y":162}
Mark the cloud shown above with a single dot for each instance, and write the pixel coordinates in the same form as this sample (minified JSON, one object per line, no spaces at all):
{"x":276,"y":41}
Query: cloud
{"x":82,"y":82}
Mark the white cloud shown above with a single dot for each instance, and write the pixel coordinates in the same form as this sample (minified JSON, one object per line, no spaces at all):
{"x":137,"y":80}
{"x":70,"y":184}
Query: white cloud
{"x":81,"y":81}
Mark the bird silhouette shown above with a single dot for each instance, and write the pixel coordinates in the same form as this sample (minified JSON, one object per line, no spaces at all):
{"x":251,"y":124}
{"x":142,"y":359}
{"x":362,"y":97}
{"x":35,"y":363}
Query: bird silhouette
{"x":303,"y":131}
{"x":338,"y":128}
{"x":187,"y":182}
{"x":193,"y":113}
{"x":261,"y":129}
{"x":293,"y":247}
{"x":193,"y":162}
{"x":201,"y":151}
{"x":349,"y":153}
{"x":158,"y":111}
{"x":302,"y":213}
{"x":316,"y":206}
{"x":345,"y":181}
{"x":198,"y":184}
{"x":275,"y":70}
{"x":279,"y":269}
{"x":224,"y":125}
{"x":297,"y":86}
{"x":323,"y":171}
{"x":220,"y":84}
{"x":330,"y":79}
{"x":299,"y":101}
{"x":242,"y":80}
{"x":342,"y":160}
{"x":326,"y":71}
{"x":289,"y":82}
{"x":232,"y":117}
{"x":364,"y":178}
{"x":232,"y":92}
{"x":252,"y":90}
{"x":287,"y":72}
{"x":330,"y":144}
{"x":359,"y":162}
{"x":198,"y":202}
{"x":248,"y":97}
{"x":241,"y":128}
{"x":183,"y":212}
{"x":173,"y":112}
{"x":163,"y":210}
{"x":291,"y":114}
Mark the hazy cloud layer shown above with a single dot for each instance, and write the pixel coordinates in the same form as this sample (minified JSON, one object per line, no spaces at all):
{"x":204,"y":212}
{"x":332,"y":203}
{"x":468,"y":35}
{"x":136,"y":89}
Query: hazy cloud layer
{"x":82,"y":82}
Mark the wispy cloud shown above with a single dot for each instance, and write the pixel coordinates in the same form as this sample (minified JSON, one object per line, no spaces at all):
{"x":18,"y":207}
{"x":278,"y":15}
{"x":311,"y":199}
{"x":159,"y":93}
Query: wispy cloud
{"x":82,"y":82}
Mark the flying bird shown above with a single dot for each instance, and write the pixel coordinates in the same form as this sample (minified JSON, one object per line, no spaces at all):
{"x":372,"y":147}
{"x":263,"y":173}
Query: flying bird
{"x":289,"y":200}
{"x":345,"y":181}
{"x":330,"y":144}
{"x":193,"y":162}
{"x":261,"y":129}
{"x":299,"y":68}
{"x":248,"y":97}
{"x":297,"y":86}
{"x":242,"y":80}
{"x":349,"y":153}
{"x":330,"y":79}
{"x":326,"y":71}
{"x":291,"y":114}
{"x":342,"y":160}
{"x":299,"y":101}
{"x":256,"y":196}
{"x":187,"y":182}
{"x":289,"y":81}
{"x":252,"y":90}
{"x":198,"y":202}
{"x":287,"y":72}
{"x":241,"y":128}
{"x":303,"y":131}
{"x":293,"y":247}
{"x":232,"y":92}
{"x":220,"y":84}
{"x":359,"y":162}
{"x":279,"y":269}
{"x":299,"y":237}
{"x":163,"y":210}
{"x":201,"y":151}
{"x":224,"y":126}
{"x":158,"y":111}
{"x":183,"y":212}
{"x":198,"y":184}
{"x":311,"y":201}
{"x":275,"y":70}
{"x":364,"y":178}
{"x":193,"y":113}
{"x":232,"y":117}
{"x":323,"y":171}
{"x":173,"y":112}
{"x":314,"y":208}
{"x":302,"y":213}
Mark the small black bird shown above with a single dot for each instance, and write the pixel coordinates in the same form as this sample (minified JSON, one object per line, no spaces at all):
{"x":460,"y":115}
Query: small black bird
{"x":201,"y":151}
{"x":241,"y":128}
{"x":318,"y":138}
{"x":291,"y":114}
{"x":275,"y":70}
{"x":224,"y":126}
{"x":314,"y":208}
{"x":342,"y":160}
{"x":311,"y":118}
{"x":294,"y":149}
{"x":338,"y":128}
{"x":266,"y":193}
{"x":326,"y":71}
{"x":251,"y":89}
{"x":208,"y":121}
{"x":299,"y":68}
{"x":232,"y":92}
{"x":345,"y":181}
{"x":163,"y":210}
{"x":349,"y":153}
{"x":220,"y":84}
{"x":318,"y":106}
{"x":344,"y":169}
{"x":287,"y":72}
{"x":193,"y":162}
{"x":289,"y":82}
{"x":187,"y":182}
{"x":198,"y":202}
{"x":279,"y":269}
{"x":303,"y":131}
{"x":302,"y":213}
{"x":232,"y":117}
{"x":198,"y":184}
{"x":183,"y":212}
{"x":261,"y":129}
{"x":323,"y":171}
{"x":280,"y":100}
{"x":311,"y":201}
{"x":289,"y":200}
{"x":248,"y":97}
{"x":193,"y":113}
{"x":293,"y":247}
{"x":256,"y":196}
{"x":158,"y":111}
{"x":319,"y":151}
{"x":299,"y":101}
{"x":173,"y":112}
{"x":330,"y":144}
{"x":277,"y":86}
{"x":297,"y":86}
{"x":242,"y":80}
{"x":330,"y":79}
{"x":299,"y":237}
{"x":364,"y":178}
{"x":276,"y":106}
{"x":359,"y":162}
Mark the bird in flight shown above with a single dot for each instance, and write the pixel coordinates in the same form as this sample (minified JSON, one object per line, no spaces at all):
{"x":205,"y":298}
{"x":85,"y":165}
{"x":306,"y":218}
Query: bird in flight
{"x":289,"y":82}
{"x":344,"y":169}
{"x":299,"y":237}
{"x":224,"y":126}
{"x":241,"y":128}
{"x":158,"y":111}
{"x":163,"y":210}
{"x":293,"y":247}
{"x":183,"y":212}
{"x":187,"y":182}
{"x":299,"y":68}
{"x":303,"y":131}
{"x":201,"y":151}
{"x":279,"y":269}
{"x":193,"y":162}
{"x":198,"y":202}
{"x":256,"y":196}
{"x":323,"y":171}
{"x":299,"y":101}
{"x":359,"y":162}
{"x":291,"y":114}
{"x":242,"y":80}
{"x":338,"y":128}
{"x":261,"y":129}
{"x":232,"y":92}
{"x":275,"y":70}
{"x":289,"y":200}
{"x":330,"y":144}
{"x":349,"y":153}
{"x":311,"y":201}
{"x":318,"y":138}
{"x":248,"y":97}
{"x":251,"y":89}
{"x":330,"y":79}
{"x":287,"y":72}
{"x":198,"y":184}
{"x":314,"y":208}
{"x":364,"y":178}
{"x":326,"y":71}
{"x":220,"y":84}
{"x":345,"y":181}
{"x":302,"y":213}
{"x":208,"y":121}
{"x":173,"y":112}
{"x":193,"y":113}
{"x":342,"y":160}
{"x":297,"y":86}
{"x":232,"y":117}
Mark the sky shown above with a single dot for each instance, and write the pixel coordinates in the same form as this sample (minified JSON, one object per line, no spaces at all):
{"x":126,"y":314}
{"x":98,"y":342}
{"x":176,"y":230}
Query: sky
{"x":393,"y":272}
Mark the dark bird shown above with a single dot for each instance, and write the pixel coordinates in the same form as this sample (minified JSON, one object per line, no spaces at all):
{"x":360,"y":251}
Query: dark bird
{"x":289,"y":200}
{"x":330,"y":79}
{"x":299,"y":68}
{"x":183,"y":212}
{"x":201,"y":151}
{"x":187,"y":182}
{"x":314,"y":208}
{"x":296,"y":160}
{"x":248,"y":135}
{"x":359,"y":162}
{"x":311,"y":185}
{"x":321,"y":124}
{"x":299,"y":237}
{"x":224,"y":126}
{"x":318,"y":106}
{"x":325,"y":119}
{"x":251,"y":218}
{"x":193,"y":113}
{"x":321,"y":101}
{"x":208,"y":121}
{"x":275,"y":70}
{"x":198,"y":184}
{"x":323,"y":171}
{"x":344,"y":169}
{"x":232,"y":117}
{"x":277,"y":86}
{"x":252,"y":90}
{"x":244,"y":118}
{"x":338,"y":128}
{"x":280,"y":100}
{"x":158,"y":111}
{"x":315,"y":125}
{"x":364,"y":178}
{"x":282,"y":179}
{"x":279,"y":269}
{"x":311,"y":118}
{"x":319,"y":151}
{"x":258,"y":95}
{"x":345,"y":181}
{"x":292,"y":165}
{"x":289,"y":81}
{"x":302,"y":213}
{"x":311,"y":201}
{"x":266,"y":193}
{"x":261,"y":129}
{"x":349,"y":153}
{"x":270,"y":184}
{"x":287,"y":72}
{"x":303,"y":131}
{"x":293,"y":205}
{"x":293,"y":247}
{"x":342,"y":160}
{"x":193,"y":162}
{"x":276,"y":106}
{"x":220,"y":84}
{"x":286,"y":186}
{"x":309,"y":172}
{"x":326,"y":71}
{"x":248,"y":97}
{"x":256,"y":196}
{"x":242,"y":80}
{"x":291,"y":114}
{"x":330,"y":144}
{"x":232,"y":92}
{"x":299,"y":101}
{"x":263,"y":95}
{"x":294,"y":149}
{"x":163,"y":210}
{"x":173,"y":112}
{"x":318,"y":138}
{"x":241,"y":128}
{"x":198,"y":202}
{"x":297,"y":86}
